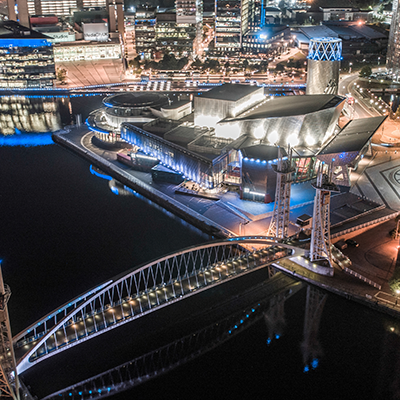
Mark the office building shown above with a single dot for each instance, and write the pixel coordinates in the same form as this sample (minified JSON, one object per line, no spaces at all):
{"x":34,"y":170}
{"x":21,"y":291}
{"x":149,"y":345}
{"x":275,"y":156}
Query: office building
{"x":232,"y":20}
{"x":26,"y":57}
{"x":189,"y":14}
{"x":179,"y":39}
{"x":393,"y":52}
{"x":145,"y":32}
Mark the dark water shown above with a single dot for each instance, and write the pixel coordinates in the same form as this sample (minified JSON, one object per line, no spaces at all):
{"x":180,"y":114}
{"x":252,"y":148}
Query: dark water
{"x":62,"y":231}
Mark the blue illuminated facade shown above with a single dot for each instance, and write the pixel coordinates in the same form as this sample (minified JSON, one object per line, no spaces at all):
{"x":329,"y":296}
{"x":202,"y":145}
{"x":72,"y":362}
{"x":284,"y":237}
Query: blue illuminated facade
{"x":26,"y":58}
{"x":192,"y":166}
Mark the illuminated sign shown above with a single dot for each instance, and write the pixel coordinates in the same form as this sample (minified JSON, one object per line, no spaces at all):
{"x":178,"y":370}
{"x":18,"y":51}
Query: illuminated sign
{"x":97,"y":32}
{"x":57,"y":37}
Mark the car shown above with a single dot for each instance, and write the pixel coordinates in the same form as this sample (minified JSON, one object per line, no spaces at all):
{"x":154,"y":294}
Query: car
{"x":352,"y":242}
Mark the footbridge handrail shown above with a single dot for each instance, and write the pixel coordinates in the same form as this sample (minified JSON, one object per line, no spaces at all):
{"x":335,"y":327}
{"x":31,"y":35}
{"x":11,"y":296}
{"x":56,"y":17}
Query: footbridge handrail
{"x":154,"y":285}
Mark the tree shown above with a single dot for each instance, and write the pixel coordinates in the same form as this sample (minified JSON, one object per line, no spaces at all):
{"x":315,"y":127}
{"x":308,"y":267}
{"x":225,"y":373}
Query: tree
{"x":135,"y":63}
{"x":279,"y":67}
{"x":62,"y":75}
{"x":197,"y":63}
{"x":263,"y":66}
{"x":365,"y":71}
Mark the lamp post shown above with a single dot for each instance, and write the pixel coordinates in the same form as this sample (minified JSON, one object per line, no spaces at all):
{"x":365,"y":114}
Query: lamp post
{"x":350,"y":64}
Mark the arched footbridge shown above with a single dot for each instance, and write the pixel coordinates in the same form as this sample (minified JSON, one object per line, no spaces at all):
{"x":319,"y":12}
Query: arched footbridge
{"x":143,"y":290}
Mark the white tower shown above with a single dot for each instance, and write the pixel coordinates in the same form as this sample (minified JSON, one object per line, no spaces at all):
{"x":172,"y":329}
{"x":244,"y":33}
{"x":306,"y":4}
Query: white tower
{"x":320,"y":249}
{"x":324,"y":55}
{"x":284,"y":169}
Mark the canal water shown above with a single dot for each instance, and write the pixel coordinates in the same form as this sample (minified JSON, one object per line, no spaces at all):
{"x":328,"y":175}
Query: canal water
{"x":64,"y":230}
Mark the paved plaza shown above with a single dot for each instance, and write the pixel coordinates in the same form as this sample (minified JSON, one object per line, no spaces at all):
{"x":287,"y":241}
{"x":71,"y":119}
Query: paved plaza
{"x":97,"y":72}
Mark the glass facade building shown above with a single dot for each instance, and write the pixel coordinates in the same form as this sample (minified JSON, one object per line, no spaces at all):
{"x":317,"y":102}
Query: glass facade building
{"x":26,"y":62}
{"x":393,"y":53}
{"x":195,"y":167}
{"x":76,"y":51}
{"x":61,"y":7}
{"x":145,"y":32}
{"x":177,"y":38}
{"x":232,"y":21}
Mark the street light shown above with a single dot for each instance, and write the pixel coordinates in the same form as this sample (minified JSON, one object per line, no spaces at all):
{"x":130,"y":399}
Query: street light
{"x":350,"y":64}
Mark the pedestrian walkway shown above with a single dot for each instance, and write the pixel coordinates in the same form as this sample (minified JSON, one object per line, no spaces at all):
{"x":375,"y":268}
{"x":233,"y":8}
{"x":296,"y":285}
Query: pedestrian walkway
{"x":96,"y":72}
{"x":378,"y":179}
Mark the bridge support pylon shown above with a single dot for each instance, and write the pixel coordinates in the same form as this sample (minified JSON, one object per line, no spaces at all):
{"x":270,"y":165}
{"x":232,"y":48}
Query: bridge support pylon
{"x":320,"y":248}
{"x":284,"y":169}
{"x":9,"y":383}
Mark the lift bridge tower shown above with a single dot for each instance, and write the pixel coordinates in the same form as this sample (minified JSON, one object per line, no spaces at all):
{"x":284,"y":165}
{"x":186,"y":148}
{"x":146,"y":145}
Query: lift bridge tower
{"x":320,"y":248}
{"x":9,"y":383}
{"x":284,"y":169}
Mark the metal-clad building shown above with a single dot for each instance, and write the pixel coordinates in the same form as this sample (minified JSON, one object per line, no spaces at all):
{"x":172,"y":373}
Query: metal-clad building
{"x":324,"y":57}
{"x":305,"y":121}
{"x":193,"y":166}
{"x":224,"y":101}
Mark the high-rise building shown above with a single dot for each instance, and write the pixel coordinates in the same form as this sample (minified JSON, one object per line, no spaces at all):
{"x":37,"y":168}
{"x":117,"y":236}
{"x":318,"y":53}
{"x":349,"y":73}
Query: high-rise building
{"x":19,"y":10}
{"x":191,"y":12}
{"x":26,"y":57}
{"x":179,"y":39}
{"x":145,"y":32}
{"x":232,"y":21}
{"x":393,"y":54}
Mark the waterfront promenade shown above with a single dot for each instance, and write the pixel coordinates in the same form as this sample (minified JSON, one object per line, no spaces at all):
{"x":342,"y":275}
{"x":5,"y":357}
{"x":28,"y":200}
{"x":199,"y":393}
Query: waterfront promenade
{"x":230,"y":217}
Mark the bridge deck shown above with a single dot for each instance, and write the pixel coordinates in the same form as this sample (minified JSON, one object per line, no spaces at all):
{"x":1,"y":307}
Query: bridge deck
{"x":142,"y":291}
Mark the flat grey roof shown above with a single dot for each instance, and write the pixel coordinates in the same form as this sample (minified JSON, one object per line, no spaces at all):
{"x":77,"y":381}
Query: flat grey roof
{"x":317,"y":31}
{"x":368,"y":32}
{"x":286,"y":106}
{"x":229,"y":92}
{"x":354,"y":136}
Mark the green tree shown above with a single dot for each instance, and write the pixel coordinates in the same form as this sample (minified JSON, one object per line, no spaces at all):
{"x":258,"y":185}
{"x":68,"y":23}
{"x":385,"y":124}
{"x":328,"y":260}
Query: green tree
{"x":263,"y":67}
{"x":365,"y":71}
{"x":197,"y":63}
{"x":182,"y":62}
{"x":135,"y":63}
{"x":279,"y":67}
{"x":61,"y":75}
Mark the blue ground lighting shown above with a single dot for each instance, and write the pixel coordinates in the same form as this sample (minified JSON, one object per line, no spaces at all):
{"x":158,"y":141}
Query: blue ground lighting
{"x":26,"y":140}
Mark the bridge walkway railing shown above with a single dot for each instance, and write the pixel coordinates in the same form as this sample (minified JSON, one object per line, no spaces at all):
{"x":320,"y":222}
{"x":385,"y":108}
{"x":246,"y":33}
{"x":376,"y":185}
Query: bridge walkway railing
{"x":144,"y":290}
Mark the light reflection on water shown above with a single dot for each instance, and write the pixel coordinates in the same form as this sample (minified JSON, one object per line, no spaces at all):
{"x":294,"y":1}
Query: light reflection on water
{"x":26,"y":140}
{"x":25,"y":114}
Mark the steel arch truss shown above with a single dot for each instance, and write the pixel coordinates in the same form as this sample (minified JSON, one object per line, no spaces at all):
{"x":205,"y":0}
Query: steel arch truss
{"x":154,"y":285}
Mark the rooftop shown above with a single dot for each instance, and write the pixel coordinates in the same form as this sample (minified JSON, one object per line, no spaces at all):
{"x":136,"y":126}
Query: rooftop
{"x":354,"y":135}
{"x":317,"y":31}
{"x":13,"y":30}
{"x":134,"y":100}
{"x":262,"y":152}
{"x":229,"y":92}
{"x":286,"y":106}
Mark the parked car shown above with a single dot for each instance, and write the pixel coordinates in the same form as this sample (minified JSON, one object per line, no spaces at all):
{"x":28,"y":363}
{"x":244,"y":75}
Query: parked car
{"x":352,"y":242}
